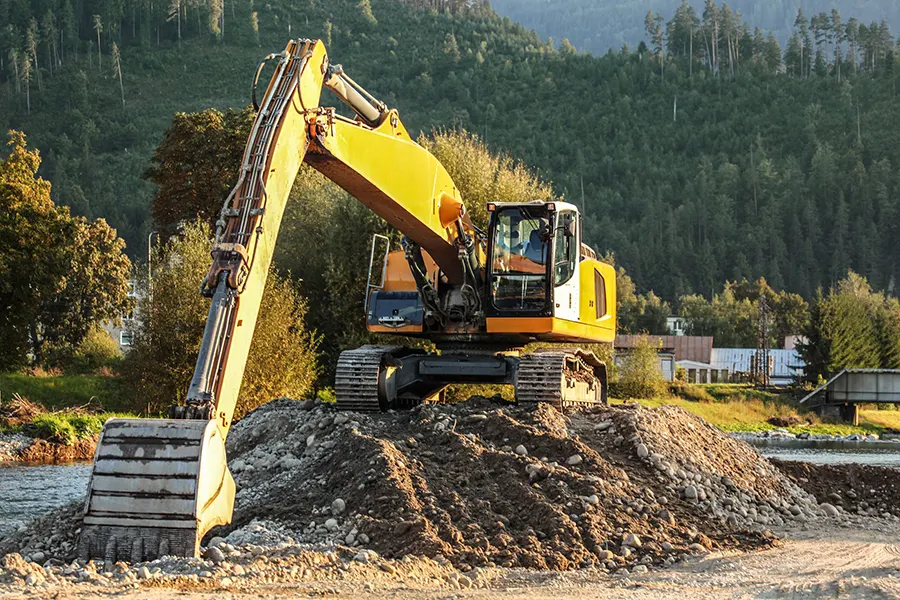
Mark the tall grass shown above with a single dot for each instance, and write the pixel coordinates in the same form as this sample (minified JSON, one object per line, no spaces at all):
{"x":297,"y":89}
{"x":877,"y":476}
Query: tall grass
{"x":738,"y":407}
{"x":65,"y":391}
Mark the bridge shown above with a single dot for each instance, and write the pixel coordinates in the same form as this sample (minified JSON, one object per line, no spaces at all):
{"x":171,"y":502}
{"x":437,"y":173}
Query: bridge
{"x":842,"y":394}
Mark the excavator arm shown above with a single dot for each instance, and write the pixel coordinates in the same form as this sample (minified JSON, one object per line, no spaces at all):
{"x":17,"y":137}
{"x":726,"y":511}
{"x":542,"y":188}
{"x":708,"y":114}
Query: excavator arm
{"x":158,"y":485}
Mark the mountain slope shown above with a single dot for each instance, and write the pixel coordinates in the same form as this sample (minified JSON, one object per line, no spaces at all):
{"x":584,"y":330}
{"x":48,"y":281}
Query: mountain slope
{"x":599,"y":25}
{"x":689,"y":178}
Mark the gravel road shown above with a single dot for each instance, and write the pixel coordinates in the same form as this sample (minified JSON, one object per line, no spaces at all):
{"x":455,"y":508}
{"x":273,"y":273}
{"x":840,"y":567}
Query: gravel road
{"x":860,"y":560}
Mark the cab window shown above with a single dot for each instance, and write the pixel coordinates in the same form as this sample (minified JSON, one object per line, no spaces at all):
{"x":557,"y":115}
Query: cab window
{"x":521,"y":247}
{"x":566,"y":247}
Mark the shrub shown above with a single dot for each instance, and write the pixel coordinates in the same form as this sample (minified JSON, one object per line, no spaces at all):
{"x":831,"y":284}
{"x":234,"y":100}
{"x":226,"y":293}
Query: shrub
{"x":693,"y":393}
{"x":158,"y":368}
{"x":98,"y":351}
{"x":53,"y":428}
{"x":640,"y":375}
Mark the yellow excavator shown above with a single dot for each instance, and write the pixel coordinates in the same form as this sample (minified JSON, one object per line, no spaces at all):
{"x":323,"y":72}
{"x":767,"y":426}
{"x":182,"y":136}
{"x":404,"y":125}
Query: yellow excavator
{"x":158,"y":485}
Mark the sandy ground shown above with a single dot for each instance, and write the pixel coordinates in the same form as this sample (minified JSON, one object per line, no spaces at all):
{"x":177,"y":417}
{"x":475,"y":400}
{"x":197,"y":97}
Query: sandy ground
{"x":822,"y":561}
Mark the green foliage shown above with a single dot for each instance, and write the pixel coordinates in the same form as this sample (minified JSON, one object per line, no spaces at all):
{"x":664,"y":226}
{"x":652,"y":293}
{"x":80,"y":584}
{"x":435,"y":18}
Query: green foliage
{"x":282,"y":339}
{"x":58,"y":274}
{"x":637,"y":313}
{"x":639,"y":375}
{"x":97,"y":350}
{"x":721,"y":392}
{"x":758,"y":174}
{"x":851,"y":327}
{"x":159,"y":366}
{"x":196,"y":165}
{"x":66,"y":428}
{"x":692,"y":392}
{"x":732,"y":317}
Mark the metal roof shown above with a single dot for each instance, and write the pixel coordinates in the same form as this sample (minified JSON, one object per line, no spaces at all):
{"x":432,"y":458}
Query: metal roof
{"x":686,"y":347}
{"x":784,"y":362}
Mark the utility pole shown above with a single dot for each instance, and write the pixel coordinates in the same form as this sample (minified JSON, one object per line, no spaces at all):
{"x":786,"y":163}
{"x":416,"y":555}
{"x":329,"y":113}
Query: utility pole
{"x":149,"y":263}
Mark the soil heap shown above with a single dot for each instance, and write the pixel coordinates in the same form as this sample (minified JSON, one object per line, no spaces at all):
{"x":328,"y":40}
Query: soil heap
{"x":482,"y":484}
{"x":487,"y":484}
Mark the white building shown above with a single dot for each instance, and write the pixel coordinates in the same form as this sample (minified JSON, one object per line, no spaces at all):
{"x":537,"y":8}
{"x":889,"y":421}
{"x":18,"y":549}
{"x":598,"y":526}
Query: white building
{"x":124,"y":335}
{"x":676,"y":325}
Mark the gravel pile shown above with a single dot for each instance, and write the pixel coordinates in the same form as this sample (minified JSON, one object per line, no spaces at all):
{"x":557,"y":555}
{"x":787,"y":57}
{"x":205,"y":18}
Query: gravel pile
{"x":12,"y":444}
{"x":859,"y":489}
{"x":708,"y":470}
{"x":483,"y":484}
{"x":470,"y":487}
{"x":262,"y":553}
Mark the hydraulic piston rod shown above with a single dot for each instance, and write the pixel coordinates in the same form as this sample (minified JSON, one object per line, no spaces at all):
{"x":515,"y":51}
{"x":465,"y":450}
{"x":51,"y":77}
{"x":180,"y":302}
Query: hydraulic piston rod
{"x":353,"y":95}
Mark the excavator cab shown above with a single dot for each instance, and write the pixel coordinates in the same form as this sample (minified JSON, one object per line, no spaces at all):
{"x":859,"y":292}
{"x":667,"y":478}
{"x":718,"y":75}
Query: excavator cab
{"x":534,"y":251}
{"x":519,"y":247}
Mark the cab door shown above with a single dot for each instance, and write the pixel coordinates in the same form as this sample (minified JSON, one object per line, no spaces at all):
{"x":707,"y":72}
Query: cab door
{"x":566,"y":251}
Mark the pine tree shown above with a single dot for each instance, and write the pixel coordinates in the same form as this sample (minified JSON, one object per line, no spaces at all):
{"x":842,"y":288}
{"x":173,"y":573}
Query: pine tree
{"x":254,"y":26}
{"x":98,"y":27}
{"x":26,"y":77}
{"x":117,"y":69}
{"x":31,"y":46}
{"x":49,"y":35}
{"x":14,"y":61}
{"x":214,"y":13}
{"x":68,"y":30}
{"x":365,"y":7}
{"x":175,"y":14}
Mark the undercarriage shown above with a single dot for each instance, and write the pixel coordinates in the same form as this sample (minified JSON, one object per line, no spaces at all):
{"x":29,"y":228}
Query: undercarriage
{"x":377,"y":378}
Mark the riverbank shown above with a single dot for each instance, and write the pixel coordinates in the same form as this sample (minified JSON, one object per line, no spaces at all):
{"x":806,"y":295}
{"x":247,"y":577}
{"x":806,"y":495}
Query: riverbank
{"x":31,"y":432}
{"x":16,"y":447}
{"x":741,"y":408}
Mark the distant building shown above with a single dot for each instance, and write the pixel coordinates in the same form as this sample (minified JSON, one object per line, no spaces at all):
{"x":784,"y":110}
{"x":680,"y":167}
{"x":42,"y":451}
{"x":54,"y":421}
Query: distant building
{"x":733,"y":364}
{"x":685,"y":347}
{"x":676,"y":325}
{"x":666,"y":361}
{"x":673,"y":351}
{"x":124,"y":335}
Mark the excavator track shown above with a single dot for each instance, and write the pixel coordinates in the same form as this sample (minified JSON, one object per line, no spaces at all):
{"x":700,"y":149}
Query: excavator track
{"x":356,"y":382}
{"x":564,"y":379}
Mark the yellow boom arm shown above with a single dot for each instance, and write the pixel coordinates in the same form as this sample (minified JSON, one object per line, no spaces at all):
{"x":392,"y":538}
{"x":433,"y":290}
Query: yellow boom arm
{"x":372,"y":157}
{"x":158,"y":485}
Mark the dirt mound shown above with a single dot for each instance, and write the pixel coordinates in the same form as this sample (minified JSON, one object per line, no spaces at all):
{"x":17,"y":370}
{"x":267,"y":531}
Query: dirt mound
{"x":481,"y":484}
{"x":484,"y":484}
{"x":863,"y":489}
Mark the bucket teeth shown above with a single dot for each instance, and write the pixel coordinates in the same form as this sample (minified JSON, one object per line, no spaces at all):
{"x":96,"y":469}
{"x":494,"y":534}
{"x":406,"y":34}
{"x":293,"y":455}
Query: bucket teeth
{"x":157,"y":486}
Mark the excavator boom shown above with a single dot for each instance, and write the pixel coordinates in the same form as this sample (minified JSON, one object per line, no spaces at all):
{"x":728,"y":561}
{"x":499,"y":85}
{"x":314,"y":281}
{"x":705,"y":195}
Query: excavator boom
{"x":158,"y":485}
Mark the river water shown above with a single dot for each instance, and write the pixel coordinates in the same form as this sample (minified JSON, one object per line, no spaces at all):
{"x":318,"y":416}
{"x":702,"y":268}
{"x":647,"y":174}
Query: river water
{"x":875,"y":453}
{"x":28,"y":491}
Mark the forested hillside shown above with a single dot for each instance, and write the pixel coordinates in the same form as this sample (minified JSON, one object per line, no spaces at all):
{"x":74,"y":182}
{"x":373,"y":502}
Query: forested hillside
{"x":691,"y":168}
{"x":597,"y":26}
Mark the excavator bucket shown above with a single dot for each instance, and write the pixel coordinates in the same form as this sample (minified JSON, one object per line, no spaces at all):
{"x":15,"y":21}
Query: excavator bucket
{"x":157,"y":486}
